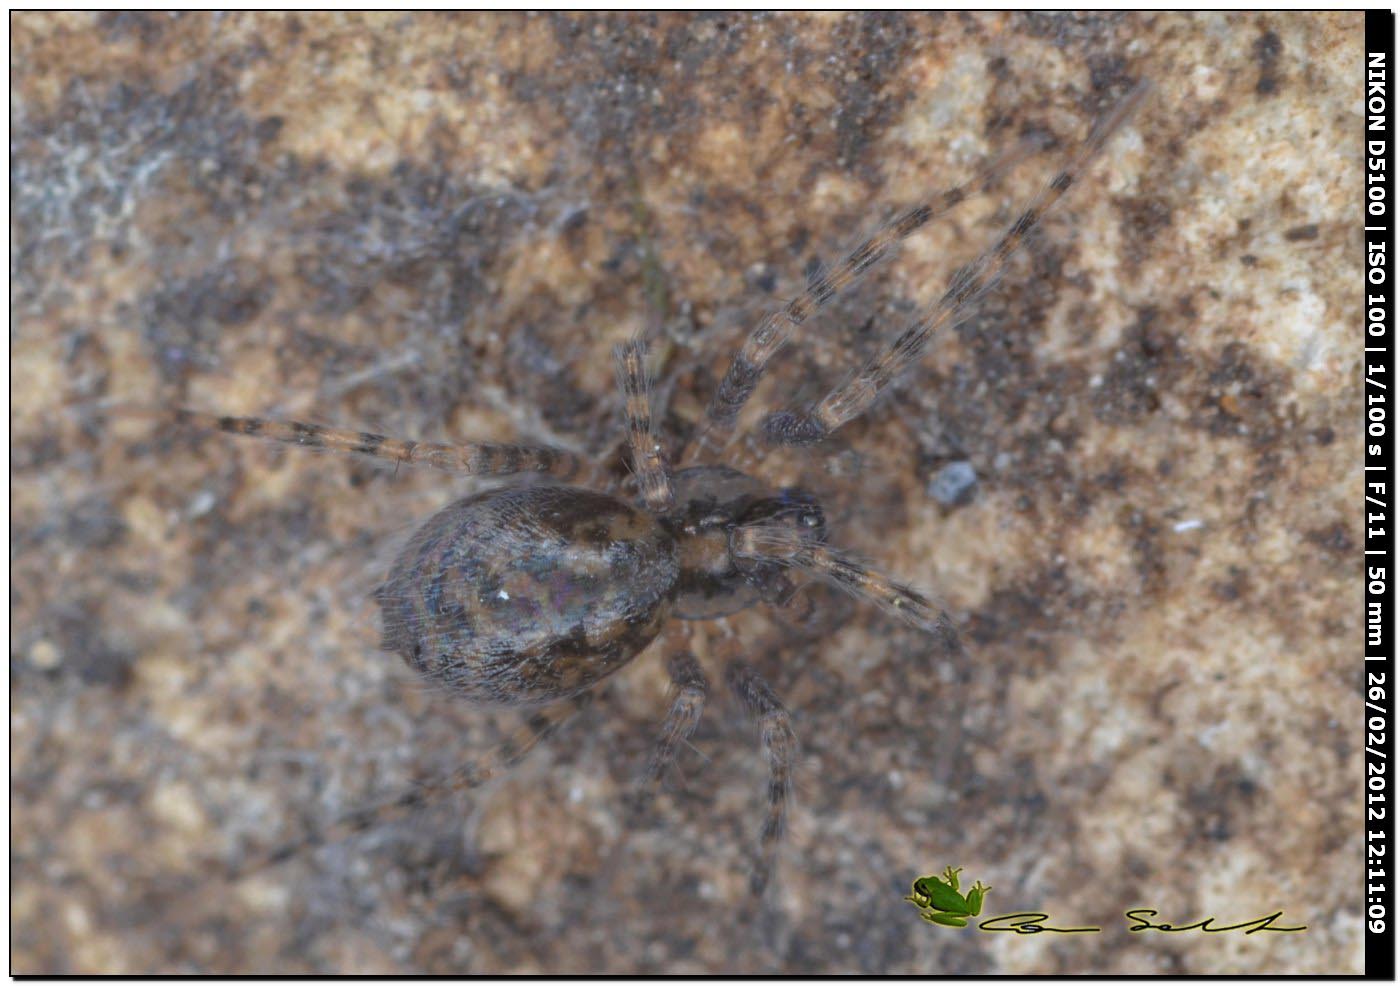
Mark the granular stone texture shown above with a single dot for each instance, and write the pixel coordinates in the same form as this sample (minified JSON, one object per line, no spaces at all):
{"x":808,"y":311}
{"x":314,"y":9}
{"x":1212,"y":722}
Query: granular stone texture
{"x":437,"y":226}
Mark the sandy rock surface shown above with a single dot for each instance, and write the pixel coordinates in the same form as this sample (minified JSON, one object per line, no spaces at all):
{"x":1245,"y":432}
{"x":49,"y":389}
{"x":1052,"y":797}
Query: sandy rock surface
{"x":1131,"y":476}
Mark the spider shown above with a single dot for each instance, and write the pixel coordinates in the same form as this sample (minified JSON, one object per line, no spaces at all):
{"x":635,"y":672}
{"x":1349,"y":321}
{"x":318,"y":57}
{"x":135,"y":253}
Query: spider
{"x":532,"y":595}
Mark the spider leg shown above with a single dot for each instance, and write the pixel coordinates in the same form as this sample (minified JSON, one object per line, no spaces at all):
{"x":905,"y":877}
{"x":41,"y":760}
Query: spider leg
{"x":969,"y":284}
{"x":689,"y":690}
{"x":747,"y":367}
{"x":783,"y":544}
{"x":648,"y":454}
{"x":538,"y":727}
{"x":469,"y":458}
{"x":780,"y":749}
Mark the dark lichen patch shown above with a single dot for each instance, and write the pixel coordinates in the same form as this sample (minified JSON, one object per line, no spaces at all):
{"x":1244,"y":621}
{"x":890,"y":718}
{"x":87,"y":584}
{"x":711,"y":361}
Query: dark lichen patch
{"x":1145,"y":534}
{"x":1027,"y":612}
{"x":1216,"y":806}
{"x":416,"y":228}
{"x":1092,"y":33}
{"x":1235,"y":587}
{"x":537,"y":366}
{"x":873,"y":940}
{"x":146,"y":26}
{"x":1148,"y":362}
{"x":183,"y":319}
{"x":1336,"y":539}
{"x":1237,"y":397}
{"x":1143,"y":219}
{"x":79,"y":628}
{"x":262,"y":540}
{"x":607,"y":116}
{"x":116,"y":144}
{"x":1112,"y":74}
{"x":93,"y":523}
{"x":1267,"y":49}
{"x":876,"y":48}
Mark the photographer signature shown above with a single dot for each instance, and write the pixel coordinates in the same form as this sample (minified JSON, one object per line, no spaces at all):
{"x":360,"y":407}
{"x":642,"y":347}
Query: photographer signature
{"x":1140,"y":919}
{"x":940,"y":901}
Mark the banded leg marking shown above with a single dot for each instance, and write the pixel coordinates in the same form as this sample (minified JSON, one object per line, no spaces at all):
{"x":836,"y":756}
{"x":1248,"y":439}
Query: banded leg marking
{"x":689,"y":689}
{"x":969,"y":285}
{"x":648,"y":454}
{"x":783,"y":544}
{"x":780,"y":749}
{"x":469,"y":458}
{"x":748,"y":365}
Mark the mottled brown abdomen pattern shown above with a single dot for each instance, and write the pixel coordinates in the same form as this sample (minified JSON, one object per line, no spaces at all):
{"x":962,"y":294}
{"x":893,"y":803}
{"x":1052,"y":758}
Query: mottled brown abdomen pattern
{"x":528,"y":595}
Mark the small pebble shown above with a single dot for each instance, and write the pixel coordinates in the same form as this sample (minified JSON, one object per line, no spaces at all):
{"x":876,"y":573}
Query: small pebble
{"x":202,"y":503}
{"x":954,"y":484}
{"x":44,"y":655}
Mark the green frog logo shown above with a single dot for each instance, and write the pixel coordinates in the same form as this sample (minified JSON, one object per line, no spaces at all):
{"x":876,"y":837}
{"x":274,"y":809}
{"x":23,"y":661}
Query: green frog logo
{"x":938,"y":900}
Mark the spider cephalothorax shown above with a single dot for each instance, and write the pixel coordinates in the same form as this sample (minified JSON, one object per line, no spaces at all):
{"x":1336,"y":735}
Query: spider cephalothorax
{"x":531,"y":595}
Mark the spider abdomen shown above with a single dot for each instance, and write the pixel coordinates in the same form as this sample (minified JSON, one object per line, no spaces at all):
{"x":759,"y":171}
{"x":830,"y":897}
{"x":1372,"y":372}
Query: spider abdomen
{"x":529,"y":594}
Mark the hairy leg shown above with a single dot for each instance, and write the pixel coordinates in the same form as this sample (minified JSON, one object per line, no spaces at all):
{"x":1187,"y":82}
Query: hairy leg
{"x":860,"y":390}
{"x":648,"y":454}
{"x":689,"y":690}
{"x":780,"y":749}
{"x":469,"y":458}
{"x":782,"y":543}
{"x":747,"y":367}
